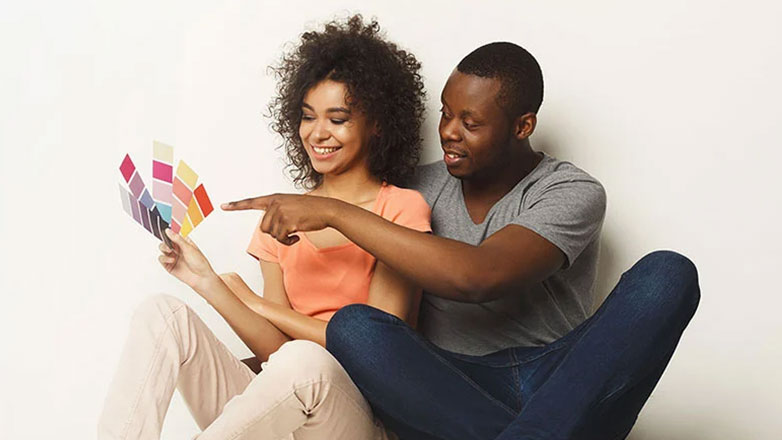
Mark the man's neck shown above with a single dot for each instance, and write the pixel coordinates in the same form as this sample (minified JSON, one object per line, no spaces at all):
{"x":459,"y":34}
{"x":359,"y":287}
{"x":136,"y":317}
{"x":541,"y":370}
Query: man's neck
{"x":494,"y":184}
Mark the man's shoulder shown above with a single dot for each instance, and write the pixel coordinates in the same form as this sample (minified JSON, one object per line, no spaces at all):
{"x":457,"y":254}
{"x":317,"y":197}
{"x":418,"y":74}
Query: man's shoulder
{"x":557,"y":173}
{"x":429,"y":180}
{"x":431,"y":171}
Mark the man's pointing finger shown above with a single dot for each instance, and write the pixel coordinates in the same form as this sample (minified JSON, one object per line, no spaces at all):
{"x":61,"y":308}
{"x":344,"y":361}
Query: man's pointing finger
{"x":251,"y":203}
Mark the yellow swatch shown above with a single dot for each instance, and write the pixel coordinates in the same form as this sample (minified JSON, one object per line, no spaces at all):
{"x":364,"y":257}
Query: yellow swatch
{"x":187,"y":227}
{"x":193,"y":213}
{"x":162,"y":152}
{"x":187,"y":175}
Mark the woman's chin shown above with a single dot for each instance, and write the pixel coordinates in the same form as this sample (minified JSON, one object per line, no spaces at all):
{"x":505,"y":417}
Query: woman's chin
{"x":323,"y":170}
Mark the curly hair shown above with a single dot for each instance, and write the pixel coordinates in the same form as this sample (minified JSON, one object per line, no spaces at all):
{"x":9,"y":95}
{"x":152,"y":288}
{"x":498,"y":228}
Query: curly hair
{"x":382,"y":81}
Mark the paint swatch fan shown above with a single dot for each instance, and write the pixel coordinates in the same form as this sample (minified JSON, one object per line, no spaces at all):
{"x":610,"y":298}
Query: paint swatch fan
{"x":176,"y":201}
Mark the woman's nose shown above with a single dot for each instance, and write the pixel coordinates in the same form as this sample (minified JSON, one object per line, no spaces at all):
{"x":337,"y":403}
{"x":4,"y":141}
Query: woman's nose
{"x":320,"y":131}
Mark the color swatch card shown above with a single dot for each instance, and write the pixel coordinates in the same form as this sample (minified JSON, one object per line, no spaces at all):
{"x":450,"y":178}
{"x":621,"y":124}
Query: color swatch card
{"x":148,"y":219}
{"x":162,"y":177}
{"x":178,"y":203}
{"x":136,"y":185}
{"x":184,"y":184}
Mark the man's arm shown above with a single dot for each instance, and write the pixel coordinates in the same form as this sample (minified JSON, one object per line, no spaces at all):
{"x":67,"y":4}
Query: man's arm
{"x":511,"y":258}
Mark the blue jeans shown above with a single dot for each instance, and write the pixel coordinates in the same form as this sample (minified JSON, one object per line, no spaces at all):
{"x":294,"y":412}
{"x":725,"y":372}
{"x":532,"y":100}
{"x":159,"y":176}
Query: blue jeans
{"x":589,"y":384}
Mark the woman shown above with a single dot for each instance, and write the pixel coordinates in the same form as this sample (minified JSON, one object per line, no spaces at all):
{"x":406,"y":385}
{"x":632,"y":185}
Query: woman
{"x":349,"y":109}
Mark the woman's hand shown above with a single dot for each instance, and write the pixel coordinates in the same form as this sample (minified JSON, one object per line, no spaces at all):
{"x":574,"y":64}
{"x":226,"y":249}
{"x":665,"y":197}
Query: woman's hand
{"x":287,"y":214}
{"x":186,"y":262}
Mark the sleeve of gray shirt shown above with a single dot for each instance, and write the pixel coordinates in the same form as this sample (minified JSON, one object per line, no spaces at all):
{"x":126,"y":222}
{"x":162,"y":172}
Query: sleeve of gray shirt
{"x":566,"y":209}
{"x":429,"y":179}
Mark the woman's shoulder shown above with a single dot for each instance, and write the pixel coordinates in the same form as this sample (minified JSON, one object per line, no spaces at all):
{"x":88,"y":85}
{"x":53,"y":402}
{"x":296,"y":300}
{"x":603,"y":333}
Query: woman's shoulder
{"x":406,"y":207}
{"x":402,"y":196}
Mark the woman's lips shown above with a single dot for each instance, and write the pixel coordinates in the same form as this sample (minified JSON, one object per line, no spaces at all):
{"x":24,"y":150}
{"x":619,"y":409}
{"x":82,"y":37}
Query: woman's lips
{"x":324,"y":152}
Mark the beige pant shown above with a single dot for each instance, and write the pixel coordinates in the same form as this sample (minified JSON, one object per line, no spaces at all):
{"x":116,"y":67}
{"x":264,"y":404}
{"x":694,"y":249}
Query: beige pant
{"x":302,"y":392}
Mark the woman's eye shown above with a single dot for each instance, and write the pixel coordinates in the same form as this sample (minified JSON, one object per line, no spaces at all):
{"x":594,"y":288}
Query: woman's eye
{"x":307,"y":117}
{"x":338,"y":121}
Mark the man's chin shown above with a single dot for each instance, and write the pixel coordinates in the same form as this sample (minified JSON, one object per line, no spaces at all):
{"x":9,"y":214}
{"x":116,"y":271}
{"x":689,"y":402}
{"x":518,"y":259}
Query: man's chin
{"x":458,"y":172}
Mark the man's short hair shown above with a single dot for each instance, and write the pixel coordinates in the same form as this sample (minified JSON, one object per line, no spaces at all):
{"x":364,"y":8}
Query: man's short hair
{"x":518,"y":71}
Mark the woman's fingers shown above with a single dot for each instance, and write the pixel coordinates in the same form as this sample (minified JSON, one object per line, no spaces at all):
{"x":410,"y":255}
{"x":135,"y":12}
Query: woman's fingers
{"x":179,"y":241}
{"x":165,"y":249}
{"x":167,"y":262}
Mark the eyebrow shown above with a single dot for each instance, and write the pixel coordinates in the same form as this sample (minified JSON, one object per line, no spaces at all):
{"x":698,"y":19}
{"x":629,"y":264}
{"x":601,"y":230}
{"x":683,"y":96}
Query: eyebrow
{"x":464,"y":113}
{"x":328,"y":110}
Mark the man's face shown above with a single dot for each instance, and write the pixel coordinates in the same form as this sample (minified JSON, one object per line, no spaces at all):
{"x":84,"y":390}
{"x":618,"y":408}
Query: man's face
{"x":474,"y":129}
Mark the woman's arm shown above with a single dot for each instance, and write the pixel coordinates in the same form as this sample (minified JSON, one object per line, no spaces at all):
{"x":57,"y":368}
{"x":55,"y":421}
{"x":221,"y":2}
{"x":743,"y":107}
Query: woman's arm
{"x":275,"y":307}
{"x":394,"y":294}
{"x":387,"y":291}
{"x":189,"y":265}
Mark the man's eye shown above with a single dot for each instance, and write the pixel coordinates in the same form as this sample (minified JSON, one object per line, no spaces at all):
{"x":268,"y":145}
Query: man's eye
{"x":444,"y":113}
{"x":469,"y":125}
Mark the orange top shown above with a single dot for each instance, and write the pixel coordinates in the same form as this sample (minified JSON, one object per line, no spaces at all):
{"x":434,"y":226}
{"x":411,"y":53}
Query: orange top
{"x":319,"y":281}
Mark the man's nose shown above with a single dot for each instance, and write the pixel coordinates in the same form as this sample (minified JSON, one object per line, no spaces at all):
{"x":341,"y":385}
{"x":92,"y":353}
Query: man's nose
{"x":449,"y":130}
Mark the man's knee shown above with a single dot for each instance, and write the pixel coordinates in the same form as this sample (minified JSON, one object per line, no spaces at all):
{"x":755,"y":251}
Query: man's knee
{"x":351,"y":324}
{"x":354,"y":332}
{"x":675,"y":279}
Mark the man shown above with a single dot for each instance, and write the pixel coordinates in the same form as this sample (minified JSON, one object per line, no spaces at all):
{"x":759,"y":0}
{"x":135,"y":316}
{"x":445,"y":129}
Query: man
{"x":507,"y":348}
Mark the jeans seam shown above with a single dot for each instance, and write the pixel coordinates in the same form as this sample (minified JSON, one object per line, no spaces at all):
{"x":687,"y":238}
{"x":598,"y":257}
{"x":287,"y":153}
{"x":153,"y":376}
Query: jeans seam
{"x":513,"y":363}
{"x":517,"y":380}
{"x":469,"y":381}
{"x":158,"y":344}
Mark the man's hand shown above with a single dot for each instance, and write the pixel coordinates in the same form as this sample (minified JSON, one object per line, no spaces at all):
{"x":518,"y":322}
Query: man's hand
{"x":287,"y":214}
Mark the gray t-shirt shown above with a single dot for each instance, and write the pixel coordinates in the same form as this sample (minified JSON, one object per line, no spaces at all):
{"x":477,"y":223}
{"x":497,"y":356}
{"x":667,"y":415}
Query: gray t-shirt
{"x":559,"y":202}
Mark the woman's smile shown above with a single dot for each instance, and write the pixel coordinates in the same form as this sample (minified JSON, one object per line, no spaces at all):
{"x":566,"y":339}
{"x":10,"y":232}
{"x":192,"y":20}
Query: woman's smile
{"x":324,"y":152}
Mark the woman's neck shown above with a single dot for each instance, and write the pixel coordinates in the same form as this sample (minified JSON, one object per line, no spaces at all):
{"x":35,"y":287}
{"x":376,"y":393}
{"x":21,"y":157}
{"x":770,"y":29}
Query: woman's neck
{"x":356,"y":187}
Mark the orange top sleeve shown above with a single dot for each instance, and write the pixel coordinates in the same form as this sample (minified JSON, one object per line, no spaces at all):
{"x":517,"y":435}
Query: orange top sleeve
{"x":263,"y":246}
{"x":319,"y":281}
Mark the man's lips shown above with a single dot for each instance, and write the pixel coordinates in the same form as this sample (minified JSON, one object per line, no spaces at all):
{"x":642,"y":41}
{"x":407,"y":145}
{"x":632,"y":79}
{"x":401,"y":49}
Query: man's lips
{"x":453,"y":156}
{"x":455,"y":151}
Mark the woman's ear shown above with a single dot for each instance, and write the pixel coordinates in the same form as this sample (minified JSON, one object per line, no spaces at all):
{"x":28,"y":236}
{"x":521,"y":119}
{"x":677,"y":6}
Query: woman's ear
{"x":524,"y":125}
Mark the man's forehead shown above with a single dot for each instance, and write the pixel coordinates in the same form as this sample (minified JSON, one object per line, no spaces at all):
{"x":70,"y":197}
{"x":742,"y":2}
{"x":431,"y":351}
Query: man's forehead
{"x":470,"y":90}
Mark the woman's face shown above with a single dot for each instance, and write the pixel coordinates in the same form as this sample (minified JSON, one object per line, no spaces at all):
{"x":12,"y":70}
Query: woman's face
{"x":334,"y":135}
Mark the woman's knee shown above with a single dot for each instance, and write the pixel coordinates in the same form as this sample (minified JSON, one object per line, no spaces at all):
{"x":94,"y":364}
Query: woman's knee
{"x":157,"y":307}
{"x":304,"y":360}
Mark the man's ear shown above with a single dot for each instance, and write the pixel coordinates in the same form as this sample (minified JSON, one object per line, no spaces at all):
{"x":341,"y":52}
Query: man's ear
{"x":524,"y":125}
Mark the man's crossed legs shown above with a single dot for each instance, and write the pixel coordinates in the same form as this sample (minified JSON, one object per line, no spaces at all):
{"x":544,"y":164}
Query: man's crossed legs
{"x":590,"y":384}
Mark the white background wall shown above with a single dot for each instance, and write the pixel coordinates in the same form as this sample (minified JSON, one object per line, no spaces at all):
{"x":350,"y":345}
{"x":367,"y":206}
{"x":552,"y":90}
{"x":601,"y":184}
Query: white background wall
{"x":674,"y":105}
